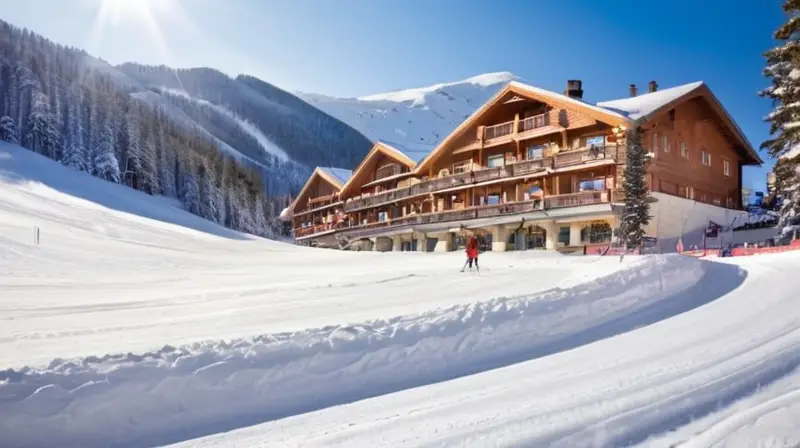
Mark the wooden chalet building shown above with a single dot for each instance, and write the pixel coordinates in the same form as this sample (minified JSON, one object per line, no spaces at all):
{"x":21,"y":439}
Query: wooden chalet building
{"x":534,"y":169}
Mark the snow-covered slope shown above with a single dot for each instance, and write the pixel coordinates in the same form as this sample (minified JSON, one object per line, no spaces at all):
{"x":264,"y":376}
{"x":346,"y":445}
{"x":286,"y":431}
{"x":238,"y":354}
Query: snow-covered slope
{"x":133,"y":323}
{"x":415,"y":118}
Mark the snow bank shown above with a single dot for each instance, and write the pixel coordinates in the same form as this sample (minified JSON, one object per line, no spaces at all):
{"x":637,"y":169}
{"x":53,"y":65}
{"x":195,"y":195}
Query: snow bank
{"x":181,"y":392}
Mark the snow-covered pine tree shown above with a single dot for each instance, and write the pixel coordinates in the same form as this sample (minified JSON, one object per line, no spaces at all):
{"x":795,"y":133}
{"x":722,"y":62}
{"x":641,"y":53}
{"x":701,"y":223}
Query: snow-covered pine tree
{"x":783,"y":67}
{"x":133,"y":159}
{"x":75,"y":154}
{"x":105,"y":164}
{"x":148,"y":177}
{"x":636,"y":214}
{"x":8,"y":130}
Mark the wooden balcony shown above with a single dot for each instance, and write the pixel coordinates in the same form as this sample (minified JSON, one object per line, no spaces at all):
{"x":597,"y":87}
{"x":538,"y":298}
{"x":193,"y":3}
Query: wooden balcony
{"x":535,"y":122}
{"x":577,"y":199}
{"x":485,"y":211}
{"x":586,"y":155}
{"x":320,"y":206}
{"x":512,"y":170}
{"x":301,"y":232}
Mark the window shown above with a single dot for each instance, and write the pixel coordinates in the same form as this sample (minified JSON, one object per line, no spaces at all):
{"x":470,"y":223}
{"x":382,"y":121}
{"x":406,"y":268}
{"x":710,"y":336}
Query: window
{"x":597,"y":140}
{"x":726,"y":166}
{"x":592,"y":184}
{"x":462,"y":167}
{"x":705,"y":158}
{"x":535,"y":152}
{"x":655,"y":141}
{"x":596,"y":232}
{"x":496,"y":161}
{"x":684,"y":151}
{"x":563,"y":235}
{"x":665,"y":143}
{"x":689,"y":193}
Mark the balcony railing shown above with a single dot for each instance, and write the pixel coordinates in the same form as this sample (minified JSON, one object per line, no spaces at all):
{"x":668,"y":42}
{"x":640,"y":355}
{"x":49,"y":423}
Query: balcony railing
{"x":498,"y":130}
{"x":587,"y":155}
{"x":484,"y":211}
{"x":522,"y":168}
{"x":531,"y":123}
{"x":577,"y":199}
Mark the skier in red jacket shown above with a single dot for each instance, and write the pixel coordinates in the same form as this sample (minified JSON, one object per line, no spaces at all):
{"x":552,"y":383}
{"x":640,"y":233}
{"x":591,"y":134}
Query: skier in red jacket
{"x":472,"y":253}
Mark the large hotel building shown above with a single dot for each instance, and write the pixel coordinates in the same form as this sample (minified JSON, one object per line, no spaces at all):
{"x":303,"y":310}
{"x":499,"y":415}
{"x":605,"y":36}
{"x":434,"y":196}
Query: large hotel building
{"x":534,"y":169}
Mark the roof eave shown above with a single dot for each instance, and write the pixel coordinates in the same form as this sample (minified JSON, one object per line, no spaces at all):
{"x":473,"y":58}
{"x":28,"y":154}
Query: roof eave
{"x":701,"y":89}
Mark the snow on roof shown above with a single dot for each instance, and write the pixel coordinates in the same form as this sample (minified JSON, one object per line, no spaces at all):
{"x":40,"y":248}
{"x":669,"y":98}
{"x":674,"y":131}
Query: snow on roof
{"x":644,"y":105}
{"x":340,"y":174}
{"x":561,"y":97}
{"x":418,"y":94}
{"x":286,"y":214}
{"x":416,"y":153}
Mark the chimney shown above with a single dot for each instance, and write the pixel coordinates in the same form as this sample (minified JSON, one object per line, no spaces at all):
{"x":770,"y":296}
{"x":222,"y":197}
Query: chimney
{"x":574,"y":89}
{"x":652,"y":87}
{"x":632,"y":90}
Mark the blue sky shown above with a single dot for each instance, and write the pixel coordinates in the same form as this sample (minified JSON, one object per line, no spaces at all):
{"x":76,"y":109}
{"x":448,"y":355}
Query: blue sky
{"x":358,"y":47}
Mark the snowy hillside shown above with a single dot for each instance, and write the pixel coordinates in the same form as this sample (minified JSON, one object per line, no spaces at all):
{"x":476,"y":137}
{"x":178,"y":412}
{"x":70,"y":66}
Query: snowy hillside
{"x":134,"y":323}
{"x":415,"y":118}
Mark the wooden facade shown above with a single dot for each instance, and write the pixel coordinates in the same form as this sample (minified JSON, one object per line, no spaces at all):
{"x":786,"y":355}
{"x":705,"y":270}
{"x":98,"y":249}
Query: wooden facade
{"x":529,"y":151}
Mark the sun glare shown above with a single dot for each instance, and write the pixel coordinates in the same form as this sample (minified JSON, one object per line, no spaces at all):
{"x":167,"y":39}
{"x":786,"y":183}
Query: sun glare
{"x":142,"y":14}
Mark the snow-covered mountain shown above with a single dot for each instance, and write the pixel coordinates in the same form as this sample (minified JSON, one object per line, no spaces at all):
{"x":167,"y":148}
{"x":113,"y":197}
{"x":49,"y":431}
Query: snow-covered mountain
{"x":416,"y":118}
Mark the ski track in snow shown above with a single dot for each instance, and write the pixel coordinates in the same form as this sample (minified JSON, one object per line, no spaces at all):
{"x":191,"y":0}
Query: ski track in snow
{"x":266,"y":144}
{"x":134,"y":323}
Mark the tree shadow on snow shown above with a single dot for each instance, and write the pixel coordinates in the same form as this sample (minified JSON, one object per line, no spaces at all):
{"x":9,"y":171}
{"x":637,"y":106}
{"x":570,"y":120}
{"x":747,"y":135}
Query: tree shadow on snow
{"x":19,"y":165}
{"x":718,"y":280}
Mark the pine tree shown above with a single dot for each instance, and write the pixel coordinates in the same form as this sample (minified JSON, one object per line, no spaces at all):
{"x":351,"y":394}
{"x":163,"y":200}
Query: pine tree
{"x":8,"y":130}
{"x":105,"y":164}
{"x":148,"y":177}
{"x":636,"y":214}
{"x":783,"y":67}
{"x":37,"y":133}
{"x":75,"y":154}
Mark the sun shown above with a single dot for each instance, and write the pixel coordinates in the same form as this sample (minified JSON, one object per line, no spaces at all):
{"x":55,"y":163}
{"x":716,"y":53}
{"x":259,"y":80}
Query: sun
{"x":115,"y":11}
{"x":143,"y":15}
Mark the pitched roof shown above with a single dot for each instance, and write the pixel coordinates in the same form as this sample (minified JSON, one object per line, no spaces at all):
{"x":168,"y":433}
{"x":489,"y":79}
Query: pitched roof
{"x":559,"y":97}
{"x":338,"y":176}
{"x":645,"y":105}
{"x":598,"y":113}
{"x":641,"y":108}
{"x":335,"y":176}
{"x":416,"y":153}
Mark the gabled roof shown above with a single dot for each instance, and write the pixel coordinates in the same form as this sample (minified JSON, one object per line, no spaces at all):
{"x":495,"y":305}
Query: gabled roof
{"x":598,"y":113}
{"x":417,"y":153}
{"x":336,"y":177}
{"x":407,"y":157}
{"x":644,"y":107}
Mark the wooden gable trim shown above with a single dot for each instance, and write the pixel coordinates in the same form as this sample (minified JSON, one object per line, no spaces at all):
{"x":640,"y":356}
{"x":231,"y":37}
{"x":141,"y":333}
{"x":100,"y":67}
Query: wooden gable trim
{"x":705,"y":93}
{"x":320,"y":174}
{"x":551,"y":98}
{"x":377,"y":148}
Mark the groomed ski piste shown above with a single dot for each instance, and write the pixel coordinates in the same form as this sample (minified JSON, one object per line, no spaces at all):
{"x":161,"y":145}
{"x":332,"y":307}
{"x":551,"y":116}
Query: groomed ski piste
{"x":132,"y":323}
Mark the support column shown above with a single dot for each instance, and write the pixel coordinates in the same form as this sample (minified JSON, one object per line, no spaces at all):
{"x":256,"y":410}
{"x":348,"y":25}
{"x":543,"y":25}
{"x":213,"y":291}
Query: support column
{"x":421,"y":243}
{"x":575,"y":234}
{"x":442,"y":242}
{"x":499,"y":237}
{"x":551,"y":234}
{"x":397,"y":244}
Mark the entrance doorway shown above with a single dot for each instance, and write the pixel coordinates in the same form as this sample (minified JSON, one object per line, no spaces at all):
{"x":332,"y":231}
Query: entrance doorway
{"x":536,"y":237}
